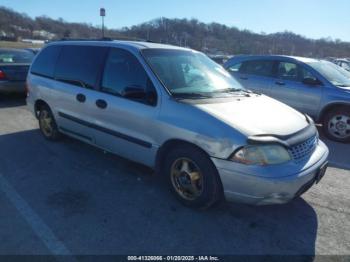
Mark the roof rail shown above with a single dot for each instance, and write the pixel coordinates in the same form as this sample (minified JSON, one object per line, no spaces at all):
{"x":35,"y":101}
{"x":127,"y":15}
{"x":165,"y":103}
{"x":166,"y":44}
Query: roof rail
{"x":86,"y":39}
{"x":122,"y":38}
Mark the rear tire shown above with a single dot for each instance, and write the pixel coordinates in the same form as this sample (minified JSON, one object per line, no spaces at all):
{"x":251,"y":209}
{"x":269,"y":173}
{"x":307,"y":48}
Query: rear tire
{"x":336,"y":124}
{"x":192,"y":177}
{"x":47,"y":124}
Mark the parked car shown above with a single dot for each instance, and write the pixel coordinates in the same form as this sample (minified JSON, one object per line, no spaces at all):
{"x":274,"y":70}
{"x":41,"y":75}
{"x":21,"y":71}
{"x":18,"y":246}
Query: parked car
{"x":14,"y":65}
{"x":177,"y":111}
{"x":220,"y":59}
{"x":33,"y":50}
{"x":315,"y":87}
{"x":344,"y":63}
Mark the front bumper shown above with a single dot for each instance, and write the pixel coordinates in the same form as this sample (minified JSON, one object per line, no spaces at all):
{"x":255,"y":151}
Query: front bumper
{"x":275,"y":184}
{"x":12,"y":87}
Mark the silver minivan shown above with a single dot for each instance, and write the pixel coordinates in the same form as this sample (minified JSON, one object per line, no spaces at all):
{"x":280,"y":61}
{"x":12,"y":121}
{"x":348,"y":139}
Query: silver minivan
{"x":177,"y":111}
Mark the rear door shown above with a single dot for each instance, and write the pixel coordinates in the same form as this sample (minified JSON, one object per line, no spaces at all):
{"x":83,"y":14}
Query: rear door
{"x":288,"y":87}
{"x":126,"y":125}
{"x":74,"y":94}
{"x":255,"y":75}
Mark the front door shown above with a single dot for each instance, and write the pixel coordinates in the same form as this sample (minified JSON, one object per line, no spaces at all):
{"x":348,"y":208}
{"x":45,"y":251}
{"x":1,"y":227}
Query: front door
{"x":288,"y":87}
{"x":255,"y":75}
{"x":126,"y":119}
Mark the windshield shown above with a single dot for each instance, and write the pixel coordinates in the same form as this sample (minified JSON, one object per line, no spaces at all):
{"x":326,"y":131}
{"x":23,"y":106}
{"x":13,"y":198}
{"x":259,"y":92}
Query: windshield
{"x":16,"y":57}
{"x":190,"y":73}
{"x":333,"y":73}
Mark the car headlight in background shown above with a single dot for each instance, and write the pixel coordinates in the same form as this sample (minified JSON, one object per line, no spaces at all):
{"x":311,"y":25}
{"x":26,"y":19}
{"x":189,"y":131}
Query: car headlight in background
{"x":262,"y":155}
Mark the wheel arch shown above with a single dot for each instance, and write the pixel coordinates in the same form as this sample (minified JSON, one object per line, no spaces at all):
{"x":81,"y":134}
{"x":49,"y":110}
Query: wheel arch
{"x":331,"y":107}
{"x":37,"y":105}
{"x":167,"y":146}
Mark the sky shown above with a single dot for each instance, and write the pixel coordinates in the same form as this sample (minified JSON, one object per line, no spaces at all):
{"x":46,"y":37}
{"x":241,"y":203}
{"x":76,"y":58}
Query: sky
{"x":310,"y":18}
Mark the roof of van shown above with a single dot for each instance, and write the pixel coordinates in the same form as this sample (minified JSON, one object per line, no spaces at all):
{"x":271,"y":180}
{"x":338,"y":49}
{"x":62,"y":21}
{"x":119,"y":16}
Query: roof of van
{"x":133,"y":44}
{"x":271,"y":57}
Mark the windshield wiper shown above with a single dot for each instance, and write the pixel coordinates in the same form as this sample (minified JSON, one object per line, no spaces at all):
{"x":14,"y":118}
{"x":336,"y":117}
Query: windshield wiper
{"x":343,"y":85}
{"x":229,"y":90}
{"x":191,"y":95}
{"x":236,"y":90}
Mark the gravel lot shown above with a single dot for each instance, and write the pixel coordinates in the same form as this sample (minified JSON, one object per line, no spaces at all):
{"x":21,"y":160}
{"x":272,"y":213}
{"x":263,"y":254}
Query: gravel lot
{"x":70,"y":198}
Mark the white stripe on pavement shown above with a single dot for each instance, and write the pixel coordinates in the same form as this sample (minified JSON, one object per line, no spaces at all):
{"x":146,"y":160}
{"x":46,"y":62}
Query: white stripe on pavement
{"x":55,"y":246}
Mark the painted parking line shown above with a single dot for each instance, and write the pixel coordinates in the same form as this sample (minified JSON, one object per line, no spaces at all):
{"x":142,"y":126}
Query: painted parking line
{"x":54,"y":245}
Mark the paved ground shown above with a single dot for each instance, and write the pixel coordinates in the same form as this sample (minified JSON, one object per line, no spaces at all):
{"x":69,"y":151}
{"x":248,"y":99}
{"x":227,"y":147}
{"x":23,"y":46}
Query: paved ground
{"x":70,"y":198}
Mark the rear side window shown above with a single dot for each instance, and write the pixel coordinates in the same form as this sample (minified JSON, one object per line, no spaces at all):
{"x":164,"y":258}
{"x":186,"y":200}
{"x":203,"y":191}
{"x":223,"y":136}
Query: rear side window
{"x":123,"y":70}
{"x":258,"y":67}
{"x":80,"y":65}
{"x":44,"y":64}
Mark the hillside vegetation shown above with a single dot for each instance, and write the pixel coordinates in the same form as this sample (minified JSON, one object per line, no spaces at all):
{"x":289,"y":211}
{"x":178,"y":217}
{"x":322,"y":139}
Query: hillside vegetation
{"x":210,"y":38}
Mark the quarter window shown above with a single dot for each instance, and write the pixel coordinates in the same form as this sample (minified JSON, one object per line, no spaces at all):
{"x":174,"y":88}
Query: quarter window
{"x":80,"y":65}
{"x":44,"y":64}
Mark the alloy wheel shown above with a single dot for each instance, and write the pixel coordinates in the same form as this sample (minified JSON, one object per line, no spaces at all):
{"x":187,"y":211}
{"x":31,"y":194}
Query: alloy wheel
{"x":186,"y":178}
{"x":46,"y":123}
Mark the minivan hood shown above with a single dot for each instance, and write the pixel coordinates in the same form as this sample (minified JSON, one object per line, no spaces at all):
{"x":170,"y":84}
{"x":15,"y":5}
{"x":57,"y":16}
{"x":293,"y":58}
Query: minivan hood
{"x":257,"y":115}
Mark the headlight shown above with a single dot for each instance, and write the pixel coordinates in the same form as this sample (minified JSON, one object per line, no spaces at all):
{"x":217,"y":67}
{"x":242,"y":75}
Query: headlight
{"x":262,"y":155}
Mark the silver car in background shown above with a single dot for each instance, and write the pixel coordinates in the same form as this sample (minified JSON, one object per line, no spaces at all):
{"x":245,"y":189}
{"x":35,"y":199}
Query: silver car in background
{"x":177,"y":111}
{"x":343,"y":63}
{"x":318,"y":88}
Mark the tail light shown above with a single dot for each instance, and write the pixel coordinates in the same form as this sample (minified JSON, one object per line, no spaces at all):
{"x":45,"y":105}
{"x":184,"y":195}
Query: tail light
{"x":2,"y":75}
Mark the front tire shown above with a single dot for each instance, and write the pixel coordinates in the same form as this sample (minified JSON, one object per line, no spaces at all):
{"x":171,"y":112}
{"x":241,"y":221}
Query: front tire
{"x":192,"y":176}
{"x":336,"y":124}
{"x":47,"y":124}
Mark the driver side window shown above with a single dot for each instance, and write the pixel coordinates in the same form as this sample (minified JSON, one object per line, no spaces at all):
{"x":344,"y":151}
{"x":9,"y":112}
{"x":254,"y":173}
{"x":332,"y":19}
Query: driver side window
{"x":123,"y":71}
{"x":307,"y":74}
{"x":288,"y":71}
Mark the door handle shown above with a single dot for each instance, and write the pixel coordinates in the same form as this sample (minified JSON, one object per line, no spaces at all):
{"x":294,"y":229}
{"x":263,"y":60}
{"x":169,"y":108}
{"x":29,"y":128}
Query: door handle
{"x":280,"y":83}
{"x":81,"y":98}
{"x":101,"y":103}
{"x":244,"y":78}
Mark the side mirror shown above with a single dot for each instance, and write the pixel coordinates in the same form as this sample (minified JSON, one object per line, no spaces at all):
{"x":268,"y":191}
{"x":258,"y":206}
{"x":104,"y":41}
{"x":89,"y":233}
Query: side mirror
{"x":134,"y":92}
{"x":140,"y":94}
{"x":311,"y":81}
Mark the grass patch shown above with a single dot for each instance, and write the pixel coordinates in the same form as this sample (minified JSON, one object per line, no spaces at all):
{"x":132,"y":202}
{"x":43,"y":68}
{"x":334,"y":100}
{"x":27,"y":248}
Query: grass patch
{"x":9,"y":44}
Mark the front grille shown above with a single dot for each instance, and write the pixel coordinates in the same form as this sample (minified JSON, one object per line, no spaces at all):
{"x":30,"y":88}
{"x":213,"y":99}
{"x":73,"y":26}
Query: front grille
{"x":305,"y":149}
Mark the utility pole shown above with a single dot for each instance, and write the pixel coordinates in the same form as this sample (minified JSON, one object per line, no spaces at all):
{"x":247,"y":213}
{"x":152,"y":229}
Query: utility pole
{"x":103,"y":14}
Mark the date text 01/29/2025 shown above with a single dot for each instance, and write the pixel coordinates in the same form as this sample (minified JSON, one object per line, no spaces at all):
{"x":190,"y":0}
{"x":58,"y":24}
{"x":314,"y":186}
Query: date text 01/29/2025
{"x":173,"y":258}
